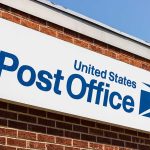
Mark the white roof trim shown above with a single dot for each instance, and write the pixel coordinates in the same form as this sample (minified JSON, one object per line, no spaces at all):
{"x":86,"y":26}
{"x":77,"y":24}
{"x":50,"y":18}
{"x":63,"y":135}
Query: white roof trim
{"x":91,"y":20}
{"x":84,"y":25}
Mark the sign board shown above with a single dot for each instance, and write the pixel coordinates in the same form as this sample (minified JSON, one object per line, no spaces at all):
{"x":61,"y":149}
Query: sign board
{"x":43,"y":71}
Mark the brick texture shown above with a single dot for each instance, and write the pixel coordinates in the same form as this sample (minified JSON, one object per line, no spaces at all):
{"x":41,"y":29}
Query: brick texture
{"x":24,"y":128}
{"x":66,"y":134}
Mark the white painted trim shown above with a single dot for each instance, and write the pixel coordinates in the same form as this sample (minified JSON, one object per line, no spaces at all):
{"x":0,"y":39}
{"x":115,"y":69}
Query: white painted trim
{"x":81,"y":24}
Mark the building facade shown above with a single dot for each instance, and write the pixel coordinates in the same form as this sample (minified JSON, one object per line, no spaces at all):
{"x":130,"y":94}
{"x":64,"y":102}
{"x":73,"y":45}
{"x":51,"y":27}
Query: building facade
{"x":24,"y":126}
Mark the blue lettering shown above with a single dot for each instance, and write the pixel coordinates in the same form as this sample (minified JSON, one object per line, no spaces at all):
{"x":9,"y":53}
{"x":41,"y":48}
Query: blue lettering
{"x":21,"y":71}
{"x":106,"y":95}
{"x":58,"y":77}
{"x":69,"y":85}
{"x":91,"y":88}
{"x":15,"y":62}
{"x":111,"y":100}
{"x":128,"y":104}
{"x":111,"y":76}
{"x":44,"y":80}
{"x":99,"y":90}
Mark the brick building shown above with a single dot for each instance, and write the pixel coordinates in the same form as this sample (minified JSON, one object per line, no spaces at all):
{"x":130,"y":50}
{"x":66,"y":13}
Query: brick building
{"x":24,"y":126}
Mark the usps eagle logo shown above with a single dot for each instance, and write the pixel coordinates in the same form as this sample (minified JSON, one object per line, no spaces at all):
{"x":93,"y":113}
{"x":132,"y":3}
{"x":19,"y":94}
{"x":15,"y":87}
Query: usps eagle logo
{"x":145,"y":101}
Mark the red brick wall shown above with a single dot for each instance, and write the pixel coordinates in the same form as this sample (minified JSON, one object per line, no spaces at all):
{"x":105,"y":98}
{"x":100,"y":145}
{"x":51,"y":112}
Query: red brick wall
{"x":23,"y":127}
{"x":33,"y":128}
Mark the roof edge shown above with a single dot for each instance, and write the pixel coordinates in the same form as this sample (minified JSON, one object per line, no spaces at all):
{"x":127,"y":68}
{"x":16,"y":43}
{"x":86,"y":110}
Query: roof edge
{"x":81,"y":24}
{"x":78,"y":15}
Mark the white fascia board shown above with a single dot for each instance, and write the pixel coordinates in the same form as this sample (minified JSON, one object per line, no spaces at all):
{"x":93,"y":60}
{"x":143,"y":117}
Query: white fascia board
{"x":81,"y":24}
{"x":91,"y":20}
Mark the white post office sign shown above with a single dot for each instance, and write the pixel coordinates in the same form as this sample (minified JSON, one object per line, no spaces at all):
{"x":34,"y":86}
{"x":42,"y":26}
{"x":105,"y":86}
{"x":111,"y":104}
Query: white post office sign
{"x":43,"y":71}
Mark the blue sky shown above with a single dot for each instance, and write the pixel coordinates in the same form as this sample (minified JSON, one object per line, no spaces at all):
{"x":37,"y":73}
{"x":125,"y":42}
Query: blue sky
{"x":129,"y":16}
